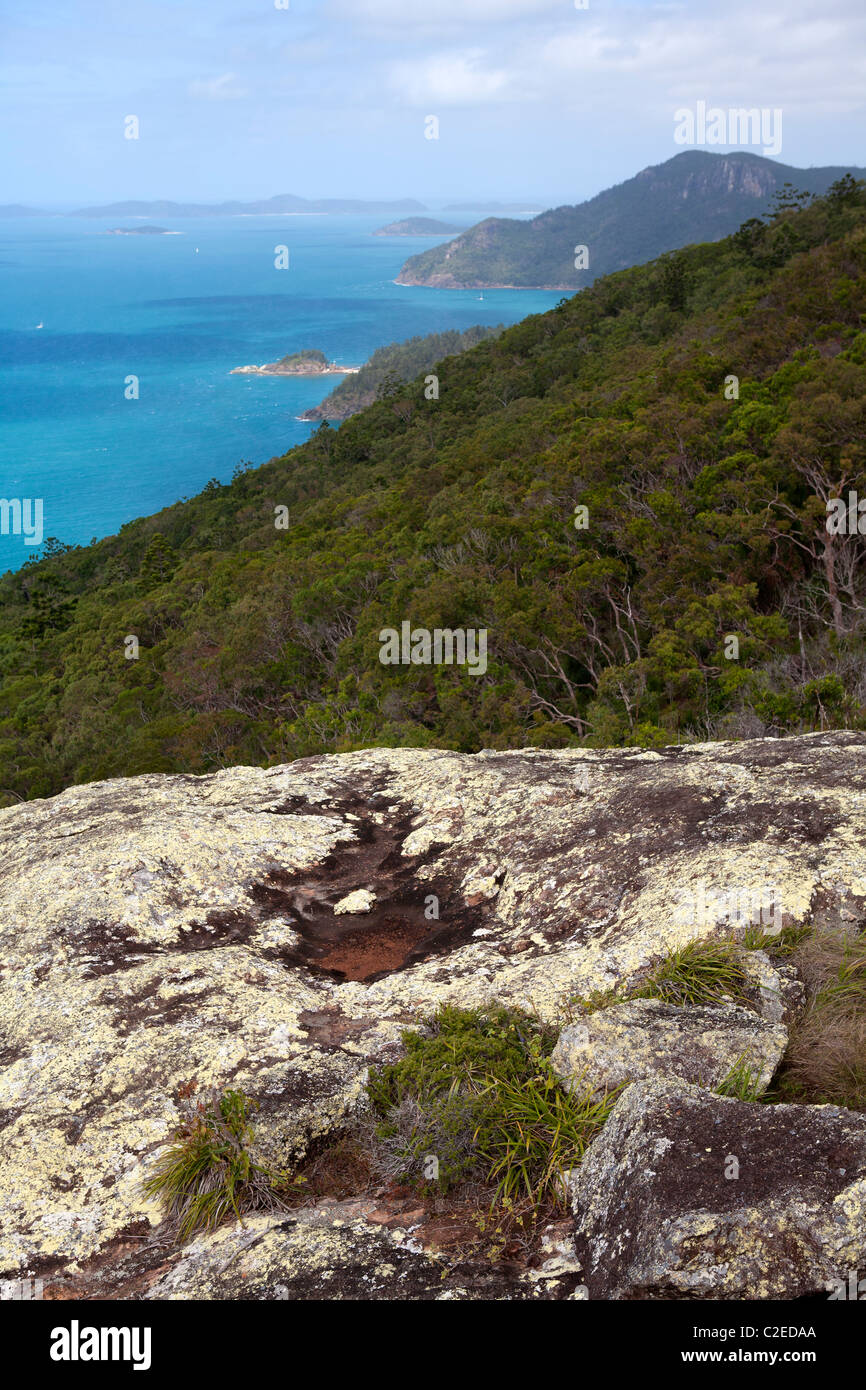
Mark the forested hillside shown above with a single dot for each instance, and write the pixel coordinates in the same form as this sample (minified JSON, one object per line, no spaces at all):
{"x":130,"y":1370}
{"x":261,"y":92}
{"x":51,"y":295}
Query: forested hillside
{"x":705,"y":521}
{"x":394,"y":364}
{"x":695,"y":196}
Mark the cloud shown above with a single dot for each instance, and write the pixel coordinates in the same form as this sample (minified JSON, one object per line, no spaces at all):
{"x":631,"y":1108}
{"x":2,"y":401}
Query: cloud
{"x":448,"y":79}
{"x":637,"y":59}
{"x":434,"y":14}
{"x":223,"y":88}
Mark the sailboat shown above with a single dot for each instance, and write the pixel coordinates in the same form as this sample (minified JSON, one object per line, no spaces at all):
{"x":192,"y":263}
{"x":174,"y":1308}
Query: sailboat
{"x":40,"y":325}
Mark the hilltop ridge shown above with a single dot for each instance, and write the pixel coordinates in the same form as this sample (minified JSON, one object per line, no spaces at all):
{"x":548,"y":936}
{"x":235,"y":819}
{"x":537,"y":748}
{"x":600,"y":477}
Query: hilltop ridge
{"x":695,"y":196}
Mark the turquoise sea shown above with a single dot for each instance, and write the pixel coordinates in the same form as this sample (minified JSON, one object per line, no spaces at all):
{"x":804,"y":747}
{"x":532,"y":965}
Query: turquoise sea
{"x":179,"y":312}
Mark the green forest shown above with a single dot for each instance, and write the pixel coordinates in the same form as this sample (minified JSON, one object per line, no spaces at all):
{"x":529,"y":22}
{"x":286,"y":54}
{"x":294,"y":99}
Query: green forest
{"x":628,"y":493}
{"x":695,"y":196}
{"x":394,"y":364}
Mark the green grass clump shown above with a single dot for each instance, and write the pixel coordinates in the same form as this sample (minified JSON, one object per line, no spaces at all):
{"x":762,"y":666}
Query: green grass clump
{"x":476,"y":1093}
{"x":535,"y":1132}
{"x":594,"y":1002}
{"x":208,"y":1173}
{"x":779,"y":944}
{"x":702,"y":972}
{"x":743,"y":1081}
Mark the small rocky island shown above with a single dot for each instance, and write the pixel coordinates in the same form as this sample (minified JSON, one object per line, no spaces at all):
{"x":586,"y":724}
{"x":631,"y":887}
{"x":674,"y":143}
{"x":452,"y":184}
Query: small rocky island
{"x":148,"y":230}
{"x":310,"y":362}
{"x":418,"y":226}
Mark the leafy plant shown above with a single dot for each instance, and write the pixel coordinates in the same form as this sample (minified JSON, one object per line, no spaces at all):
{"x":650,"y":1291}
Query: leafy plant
{"x":476,"y":1092}
{"x":209,"y":1173}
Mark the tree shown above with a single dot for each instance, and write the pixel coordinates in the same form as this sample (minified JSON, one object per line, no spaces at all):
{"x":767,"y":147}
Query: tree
{"x":673,"y":281}
{"x":159,"y":562}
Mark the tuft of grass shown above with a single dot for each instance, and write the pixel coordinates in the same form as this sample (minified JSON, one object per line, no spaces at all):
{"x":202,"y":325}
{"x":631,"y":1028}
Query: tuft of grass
{"x":743,"y":1081}
{"x":535,"y":1132}
{"x":474,"y":1099}
{"x":702,"y":972}
{"x":780,"y":945}
{"x":592,"y":1003}
{"x":825,"y":1062}
{"x":208,"y":1173}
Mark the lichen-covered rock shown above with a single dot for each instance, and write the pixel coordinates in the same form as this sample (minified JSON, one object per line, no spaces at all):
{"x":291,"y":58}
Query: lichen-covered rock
{"x":689,"y":1195}
{"x":320,"y":1253}
{"x":162,"y":930}
{"x":646,"y":1038}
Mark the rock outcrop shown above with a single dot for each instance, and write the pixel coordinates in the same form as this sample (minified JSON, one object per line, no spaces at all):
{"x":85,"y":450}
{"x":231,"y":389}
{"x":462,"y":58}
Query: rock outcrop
{"x":646,"y":1039}
{"x":333,"y":1253}
{"x":160,"y":930}
{"x":689,"y":1195}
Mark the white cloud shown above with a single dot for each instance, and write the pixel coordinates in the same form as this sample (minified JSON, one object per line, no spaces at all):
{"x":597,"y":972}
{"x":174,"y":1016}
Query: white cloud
{"x":448,"y":79}
{"x":432,"y":14}
{"x":222,"y":88}
{"x":639,"y":58}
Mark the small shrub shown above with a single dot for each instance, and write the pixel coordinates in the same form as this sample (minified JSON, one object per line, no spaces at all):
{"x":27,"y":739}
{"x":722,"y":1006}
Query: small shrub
{"x":208,"y":1173}
{"x":476,"y":1092}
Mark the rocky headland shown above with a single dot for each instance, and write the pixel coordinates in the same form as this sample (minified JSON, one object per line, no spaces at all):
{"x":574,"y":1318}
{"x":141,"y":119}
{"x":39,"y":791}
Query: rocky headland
{"x":418,"y":226}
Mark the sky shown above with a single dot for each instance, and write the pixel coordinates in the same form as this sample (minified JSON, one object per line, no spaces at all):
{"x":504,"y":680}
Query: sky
{"x":535,"y":100}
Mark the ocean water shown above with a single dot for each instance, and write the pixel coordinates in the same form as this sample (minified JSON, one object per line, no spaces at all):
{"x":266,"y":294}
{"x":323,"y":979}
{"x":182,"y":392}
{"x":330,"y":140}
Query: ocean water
{"x":179,"y":312}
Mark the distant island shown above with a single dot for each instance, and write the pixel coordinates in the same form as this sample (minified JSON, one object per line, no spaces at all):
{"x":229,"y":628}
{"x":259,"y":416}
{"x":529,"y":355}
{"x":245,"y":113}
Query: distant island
{"x":284,"y":205}
{"x":310,"y":362}
{"x":21,"y":210}
{"x":148,"y":230}
{"x":417,"y":226}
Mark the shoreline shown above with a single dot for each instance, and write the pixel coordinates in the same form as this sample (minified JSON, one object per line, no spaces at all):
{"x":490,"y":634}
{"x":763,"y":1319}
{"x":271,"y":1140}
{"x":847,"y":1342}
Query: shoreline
{"x":273,"y":369}
{"x":425,"y":285}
